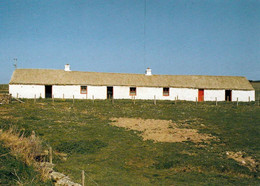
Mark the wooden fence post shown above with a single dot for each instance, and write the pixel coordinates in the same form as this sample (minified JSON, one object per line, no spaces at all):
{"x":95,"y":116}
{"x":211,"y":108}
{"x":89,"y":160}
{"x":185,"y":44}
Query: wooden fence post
{"x":93,"y":99}
{"x":154,"y":101}
{"x":83,"y":178}
{"x":17,"y":95}
{"x":237,"y":101}
{"x":227,"y":98}
{"x":248,"y":98}
{"x":216,"y":101}
{"x":63,"y":97}
{"x":50,"y":154}
{"x":34,"y":98}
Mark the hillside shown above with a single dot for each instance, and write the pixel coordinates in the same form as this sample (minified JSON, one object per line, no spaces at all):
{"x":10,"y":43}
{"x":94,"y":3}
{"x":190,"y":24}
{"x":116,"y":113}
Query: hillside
{"x":184,"y":143}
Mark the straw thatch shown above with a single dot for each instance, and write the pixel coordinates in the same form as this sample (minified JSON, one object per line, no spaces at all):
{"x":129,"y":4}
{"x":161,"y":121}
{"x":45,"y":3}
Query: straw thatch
{"x":61,"y":77}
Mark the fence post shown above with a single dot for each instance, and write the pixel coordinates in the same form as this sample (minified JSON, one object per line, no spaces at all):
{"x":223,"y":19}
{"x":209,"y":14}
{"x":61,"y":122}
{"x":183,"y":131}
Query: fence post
{"x":50,"y":154}
{"x":227,"y":98}
{"x":34,"y":98}
{"x":237,"y":101}
{"x":17,"y":95}
{"x":216,"y":101}
{"x":248,"y":98}
{"x":154,"y":101}
{"x":63,"y":97}
{"x":40,"y":95}
{"x":83,"y":178}
{"x":175,"y":101}
{"x":93,"y":99}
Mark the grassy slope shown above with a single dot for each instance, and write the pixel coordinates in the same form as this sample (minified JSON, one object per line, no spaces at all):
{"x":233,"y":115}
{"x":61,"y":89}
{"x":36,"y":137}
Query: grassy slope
{"x":13,"y":171}
{"x":256,"y":85}
{"x":115,"y":156}
{"x":4,"y":88}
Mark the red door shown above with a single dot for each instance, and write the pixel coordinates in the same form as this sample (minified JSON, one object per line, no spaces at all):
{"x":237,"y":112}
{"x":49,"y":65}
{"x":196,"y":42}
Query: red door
{"x":201,"y":95}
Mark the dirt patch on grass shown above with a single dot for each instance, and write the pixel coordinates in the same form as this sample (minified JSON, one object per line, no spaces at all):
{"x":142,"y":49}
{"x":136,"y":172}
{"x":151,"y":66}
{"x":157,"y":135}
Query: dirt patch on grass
{"x":244,"y":160}
{"x":161,"y":130}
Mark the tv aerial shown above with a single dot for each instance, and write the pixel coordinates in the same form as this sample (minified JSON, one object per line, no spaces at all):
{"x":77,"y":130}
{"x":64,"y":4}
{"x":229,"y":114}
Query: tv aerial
{"x":15,"y":63}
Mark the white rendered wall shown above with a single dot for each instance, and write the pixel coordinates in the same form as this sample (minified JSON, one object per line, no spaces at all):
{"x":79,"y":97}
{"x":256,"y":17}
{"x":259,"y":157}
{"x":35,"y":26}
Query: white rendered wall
{"x":243,"y":95}
{"x":99,"y":92}
{"x":187,"y":94}
{"x":211,"y":95}
{"x":68,"y":91}
{"x":123,"y":92}
{"x":27,"y":91}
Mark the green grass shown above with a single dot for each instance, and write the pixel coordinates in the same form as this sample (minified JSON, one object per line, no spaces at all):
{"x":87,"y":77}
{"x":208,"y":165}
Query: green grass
{"x":4,"y":88}
{"x":115,"y":156}
{"x":14,"y":172}
{"x":256,"y":85}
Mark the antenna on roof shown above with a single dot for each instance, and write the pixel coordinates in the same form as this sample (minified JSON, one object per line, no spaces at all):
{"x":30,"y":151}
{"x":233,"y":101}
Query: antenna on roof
{"x":144,"y":32}
{"x":15,"y":63}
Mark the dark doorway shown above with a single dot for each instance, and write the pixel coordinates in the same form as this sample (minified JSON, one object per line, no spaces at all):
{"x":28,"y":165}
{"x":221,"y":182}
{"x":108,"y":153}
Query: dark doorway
{"x":48,"y":91}
{"x":228,"y":95}
{"x":201,"y":95}
{"x":109,"y":92}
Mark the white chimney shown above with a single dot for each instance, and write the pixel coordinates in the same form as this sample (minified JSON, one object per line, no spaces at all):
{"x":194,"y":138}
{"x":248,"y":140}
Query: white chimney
{"x":148,"y":72}
{"x":67,"y":67}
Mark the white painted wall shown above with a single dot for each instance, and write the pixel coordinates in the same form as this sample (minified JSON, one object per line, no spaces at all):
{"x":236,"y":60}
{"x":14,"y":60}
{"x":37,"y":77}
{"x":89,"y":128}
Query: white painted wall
{"x":68,"y":91}
{"x":27,"y":91}
{"x":243,"y":95}
{"x":211,"y":95}
{"x":187,"y":94}
{"x":99,"y":92}
{"x":123,"y":92}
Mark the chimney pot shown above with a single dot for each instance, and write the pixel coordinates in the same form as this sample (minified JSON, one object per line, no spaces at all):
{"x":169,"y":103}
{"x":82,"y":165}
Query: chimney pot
{"x":148,"y":72}
{"x":67,"y":67}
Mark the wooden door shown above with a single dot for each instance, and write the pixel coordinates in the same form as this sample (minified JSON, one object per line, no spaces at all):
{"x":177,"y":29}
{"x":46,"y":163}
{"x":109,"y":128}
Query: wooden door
{"x":201,"y":95}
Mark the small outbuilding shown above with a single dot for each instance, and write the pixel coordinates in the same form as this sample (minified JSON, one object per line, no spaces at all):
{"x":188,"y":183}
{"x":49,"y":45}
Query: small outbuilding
{"x":46,"y":83}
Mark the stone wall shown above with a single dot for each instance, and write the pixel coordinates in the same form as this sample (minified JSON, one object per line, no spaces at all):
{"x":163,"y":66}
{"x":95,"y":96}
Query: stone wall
{"x":5,"y":98}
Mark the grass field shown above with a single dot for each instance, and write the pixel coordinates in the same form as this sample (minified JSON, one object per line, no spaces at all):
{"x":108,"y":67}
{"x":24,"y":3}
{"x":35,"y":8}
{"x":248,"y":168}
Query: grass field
{"x":112,"y":155}
{"x":256,"y":85}
{"x":4,"y":88}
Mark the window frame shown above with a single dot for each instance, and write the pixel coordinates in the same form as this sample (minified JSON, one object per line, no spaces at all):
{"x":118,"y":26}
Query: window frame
{"x":166,"y":93}
{"x":82,"y":89}
{"x":130,"y":92}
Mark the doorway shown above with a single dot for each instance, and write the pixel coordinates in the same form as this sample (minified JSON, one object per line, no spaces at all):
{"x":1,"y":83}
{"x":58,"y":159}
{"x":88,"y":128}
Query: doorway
{"x":228,"y":95}
{"x":48,"y":91}
{"x":201,"y":95}
{"x":109,"y":92}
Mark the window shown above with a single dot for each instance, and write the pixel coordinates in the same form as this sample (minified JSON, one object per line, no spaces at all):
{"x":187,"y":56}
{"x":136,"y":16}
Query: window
{"x":83,"y":89}
{"x":166,"y":91}
{"x":132,"y":91}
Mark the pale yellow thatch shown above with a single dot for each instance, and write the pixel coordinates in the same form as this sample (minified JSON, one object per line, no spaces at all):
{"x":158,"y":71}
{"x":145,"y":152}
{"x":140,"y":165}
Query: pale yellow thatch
{"x":61,"y":77}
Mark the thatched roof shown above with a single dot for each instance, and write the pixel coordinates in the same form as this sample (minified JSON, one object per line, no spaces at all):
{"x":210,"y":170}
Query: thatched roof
{"x":61,"y":77}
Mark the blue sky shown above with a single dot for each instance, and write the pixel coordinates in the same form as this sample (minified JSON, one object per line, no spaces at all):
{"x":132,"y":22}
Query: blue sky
{"x":182,"y":37}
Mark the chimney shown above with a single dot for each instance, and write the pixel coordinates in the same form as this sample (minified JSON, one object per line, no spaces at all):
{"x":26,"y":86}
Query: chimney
{"x":67,"y":67}
{"x":148,"y":72}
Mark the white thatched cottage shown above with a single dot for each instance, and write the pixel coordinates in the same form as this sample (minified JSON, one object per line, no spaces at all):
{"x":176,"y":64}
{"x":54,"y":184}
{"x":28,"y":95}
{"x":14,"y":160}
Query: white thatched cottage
{"x":31,"y":83}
